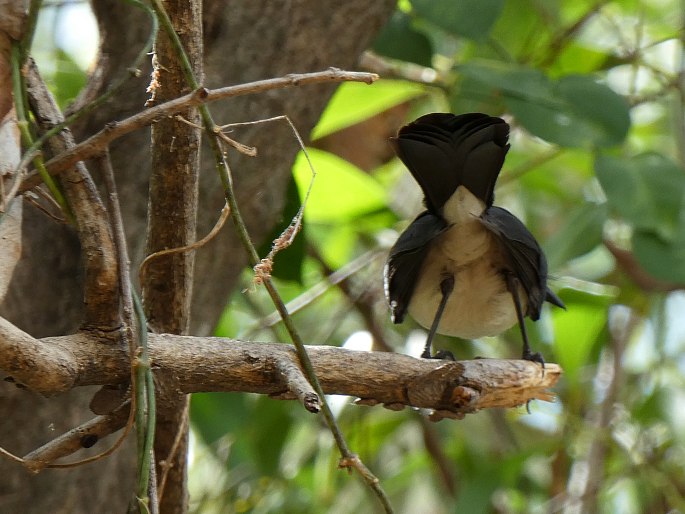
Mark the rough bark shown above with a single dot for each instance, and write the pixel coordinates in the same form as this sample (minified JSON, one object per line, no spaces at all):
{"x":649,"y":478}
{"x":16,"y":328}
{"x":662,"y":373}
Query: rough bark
{"x":244,"y":41}
{"x":172,"y":213}
{"x":209,"y":364}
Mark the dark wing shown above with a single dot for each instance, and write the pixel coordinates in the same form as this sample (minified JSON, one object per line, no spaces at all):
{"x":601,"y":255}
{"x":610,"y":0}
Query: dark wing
{"x":444,"y":151}
{"x":524,"y":257}
{"x":405,"y":261}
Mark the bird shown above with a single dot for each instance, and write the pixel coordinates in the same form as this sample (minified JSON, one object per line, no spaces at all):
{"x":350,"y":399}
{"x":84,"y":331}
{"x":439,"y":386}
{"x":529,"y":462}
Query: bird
{"x":464,"y":267}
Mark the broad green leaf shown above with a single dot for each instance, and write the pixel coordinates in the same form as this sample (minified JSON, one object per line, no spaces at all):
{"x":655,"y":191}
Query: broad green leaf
{"x":399,"y":40}
{"x":579,"y":113}
{"x":574,"y":111}
{"x":604,"y":112}
{"x":341,"y":191}
{"x":354,"y":102}
{"x":577,"y":328}
{"x":288,"y":262}
{"x":511,"y":80}
{"x":469,"y":18}
{"x":662,"y":259}
{"x":647,"y":190}
{"x":581,"y":232}
{"x":577,"y":58}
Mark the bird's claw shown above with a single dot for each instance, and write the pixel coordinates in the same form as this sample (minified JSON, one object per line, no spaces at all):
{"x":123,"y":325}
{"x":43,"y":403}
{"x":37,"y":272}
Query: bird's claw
{"x":440,"y":354}
{"x":534,"y":357}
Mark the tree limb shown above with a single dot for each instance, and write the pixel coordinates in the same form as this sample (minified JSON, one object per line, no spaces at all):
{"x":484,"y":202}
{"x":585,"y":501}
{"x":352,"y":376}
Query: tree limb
{"x":206,"y":364}
{"x":101,"y":291}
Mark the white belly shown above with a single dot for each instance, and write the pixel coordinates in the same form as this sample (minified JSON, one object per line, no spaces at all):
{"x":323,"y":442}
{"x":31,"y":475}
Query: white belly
{"x":480,"y":304}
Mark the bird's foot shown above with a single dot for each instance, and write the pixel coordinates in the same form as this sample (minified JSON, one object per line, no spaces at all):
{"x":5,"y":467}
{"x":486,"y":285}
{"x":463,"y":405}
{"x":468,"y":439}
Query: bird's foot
{"x":440,"y":354}
{"x":534,"y":357}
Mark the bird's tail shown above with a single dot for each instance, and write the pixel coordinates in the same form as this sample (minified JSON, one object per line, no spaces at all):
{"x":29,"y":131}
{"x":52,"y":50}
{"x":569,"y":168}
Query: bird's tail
{"x":444,"y":151}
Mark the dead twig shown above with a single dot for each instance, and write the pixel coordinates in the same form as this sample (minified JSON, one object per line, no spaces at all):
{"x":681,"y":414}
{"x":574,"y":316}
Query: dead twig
{"x":96,"y":144}
{"x":225,"y":212}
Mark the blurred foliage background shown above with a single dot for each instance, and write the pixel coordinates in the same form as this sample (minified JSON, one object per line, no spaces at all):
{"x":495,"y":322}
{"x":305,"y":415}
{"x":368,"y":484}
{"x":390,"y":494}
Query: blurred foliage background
{"x":595,"y":94}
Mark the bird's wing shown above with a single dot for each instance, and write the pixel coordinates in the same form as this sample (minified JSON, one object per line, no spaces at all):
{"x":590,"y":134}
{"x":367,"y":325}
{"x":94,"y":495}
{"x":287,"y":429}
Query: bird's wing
{"x":443,"y":151}
{"x":405,"y":261}
{"x":524,"y":257}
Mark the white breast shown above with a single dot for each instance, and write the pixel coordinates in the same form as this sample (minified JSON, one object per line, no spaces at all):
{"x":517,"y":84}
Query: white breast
{"x":480,"y":304}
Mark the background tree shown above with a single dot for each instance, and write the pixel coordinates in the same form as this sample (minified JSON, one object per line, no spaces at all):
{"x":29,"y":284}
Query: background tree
{"x":266,"y":40}
{"x":594,"y":91}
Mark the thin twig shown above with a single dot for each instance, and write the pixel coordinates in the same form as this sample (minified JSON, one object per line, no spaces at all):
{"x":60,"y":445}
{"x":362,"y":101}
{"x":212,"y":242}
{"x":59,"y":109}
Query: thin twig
{"x":316,"y":291}
{"x":288,"y":235}
{"x":362,"y":302}
{"x":225,"y":212}
{"x":96,"y":144}
{"x":83,"y":436}
{"x":167,"y":463}
{"x":32,"y":198}
{"x":11,"y":456}
{"x":21,"y":109}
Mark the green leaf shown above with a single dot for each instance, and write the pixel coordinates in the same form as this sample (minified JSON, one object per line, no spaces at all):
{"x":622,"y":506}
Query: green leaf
{"x":68,"y":79}
{"x":399,"y":40}
{"x":577,"y":58}
{"x":288,"y":262}
{"x":577,"y":328}
{"x":647,"y":190}
{"x":574,"y":111}
{"x":579,"y":113}
{"x":354,"y":102}
{"x":662,"y":259}
{"x":581,"y":233}
{"x":604,"y":114}
{"x":215,"y":415}
{"x":341,"y":191}
{"x":269,"y":427}
{"x":469,"y":18}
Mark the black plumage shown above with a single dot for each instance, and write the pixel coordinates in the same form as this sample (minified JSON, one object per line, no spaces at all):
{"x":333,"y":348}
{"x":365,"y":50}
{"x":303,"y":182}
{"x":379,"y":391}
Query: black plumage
{"x":463,"y":266}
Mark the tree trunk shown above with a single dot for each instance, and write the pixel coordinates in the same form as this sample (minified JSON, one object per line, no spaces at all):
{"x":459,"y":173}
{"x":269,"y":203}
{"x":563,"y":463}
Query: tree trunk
{"x":244,"y":41}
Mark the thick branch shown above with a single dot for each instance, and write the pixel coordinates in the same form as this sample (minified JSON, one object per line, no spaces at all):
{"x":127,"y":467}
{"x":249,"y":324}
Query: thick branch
{"x":172,"y":217}
{"x":30,"y":362}
{"x":97,"y":247}
{"x":217,"y":364}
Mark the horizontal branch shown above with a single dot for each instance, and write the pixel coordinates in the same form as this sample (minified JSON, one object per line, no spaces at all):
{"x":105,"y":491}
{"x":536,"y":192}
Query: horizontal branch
{"x":206,"y":364}
{"x":96,"y":144}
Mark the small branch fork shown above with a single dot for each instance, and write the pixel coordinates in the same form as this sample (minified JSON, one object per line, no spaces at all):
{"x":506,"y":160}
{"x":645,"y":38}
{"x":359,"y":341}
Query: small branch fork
{"x":202,"y":364}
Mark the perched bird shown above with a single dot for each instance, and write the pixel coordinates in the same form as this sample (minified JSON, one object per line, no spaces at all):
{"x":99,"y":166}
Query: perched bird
{"x":464,"y":267}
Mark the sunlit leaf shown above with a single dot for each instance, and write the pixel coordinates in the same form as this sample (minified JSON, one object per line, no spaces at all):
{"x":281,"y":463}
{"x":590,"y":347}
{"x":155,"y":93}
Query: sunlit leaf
{"x":341,"y":191}
{"x":578,"y":58}
{"x":288,"y":262}
{"x":354,"y":102}
{"x":576,"y":329}
{"x":68,"y":79}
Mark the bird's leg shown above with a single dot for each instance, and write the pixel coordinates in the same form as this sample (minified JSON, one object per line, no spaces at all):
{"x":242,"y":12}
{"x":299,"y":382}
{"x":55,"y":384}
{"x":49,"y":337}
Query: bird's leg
{"x":446,"y":288}
{"x":512,"y":285}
